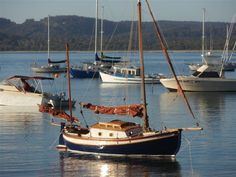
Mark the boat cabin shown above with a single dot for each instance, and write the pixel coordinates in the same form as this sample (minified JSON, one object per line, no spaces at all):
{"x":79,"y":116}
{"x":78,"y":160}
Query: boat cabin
{"x":132,"y":70}
{"x":208,"y":71}
{"x":115,"y":129}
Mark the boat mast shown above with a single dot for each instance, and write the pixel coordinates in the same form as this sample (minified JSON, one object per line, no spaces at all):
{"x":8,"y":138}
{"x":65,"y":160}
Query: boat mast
{"x":203,"y":36}
{"x":48,"y":39}
{"x":164,"y":50}
{"x":102,"y":13}
{"x":68,"y":78}
{"x":143,"y":91}
{"x":96,"y":28}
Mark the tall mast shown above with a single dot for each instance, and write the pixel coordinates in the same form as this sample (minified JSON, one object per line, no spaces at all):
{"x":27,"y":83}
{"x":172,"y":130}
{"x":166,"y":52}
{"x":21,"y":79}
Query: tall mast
{"x":96,"y":27}
{"x":48,"y":38}
{"x":143,"y":91}
{"x":102,"y":13}
{"x":203,"y":35}
{"x":164,"y":49}
{"x":68,"y":78}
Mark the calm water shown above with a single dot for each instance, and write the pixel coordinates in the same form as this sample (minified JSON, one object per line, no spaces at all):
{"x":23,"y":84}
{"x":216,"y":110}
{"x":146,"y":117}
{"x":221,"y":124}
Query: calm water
{"x":28,"y":140}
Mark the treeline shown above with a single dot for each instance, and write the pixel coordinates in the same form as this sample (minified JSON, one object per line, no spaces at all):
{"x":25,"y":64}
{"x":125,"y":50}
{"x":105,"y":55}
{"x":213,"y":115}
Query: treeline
{"x":79,"y":33}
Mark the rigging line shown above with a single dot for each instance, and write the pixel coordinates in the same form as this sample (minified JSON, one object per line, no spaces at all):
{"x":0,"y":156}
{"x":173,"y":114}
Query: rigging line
{"x":91,"y":38}
{"x":82,"y":114}
{"x":56,"y":140}
{"x":164,"y":49}
{"x":110,"y":38}
{"x":231,"y":55}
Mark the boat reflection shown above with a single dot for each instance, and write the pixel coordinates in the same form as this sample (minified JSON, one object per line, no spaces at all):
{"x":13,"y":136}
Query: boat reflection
{"x":88,"y":165}
{"x":205,"y":104}
{"x":19,"y":118}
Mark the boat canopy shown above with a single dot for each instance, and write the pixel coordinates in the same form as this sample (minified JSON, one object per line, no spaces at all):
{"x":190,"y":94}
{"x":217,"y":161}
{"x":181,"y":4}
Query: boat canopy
{"x":134,"y":110}
{"x":30,"y":77}
{"x":207,"y":71}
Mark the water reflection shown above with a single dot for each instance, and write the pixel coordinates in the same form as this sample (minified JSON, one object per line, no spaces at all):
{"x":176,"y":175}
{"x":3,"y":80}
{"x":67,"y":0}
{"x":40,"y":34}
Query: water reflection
{"x":204,"y":103}
{"x":88,"y":165}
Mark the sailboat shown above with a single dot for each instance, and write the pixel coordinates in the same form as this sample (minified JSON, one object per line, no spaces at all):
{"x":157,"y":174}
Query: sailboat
{"x":209,"y":77}
{"x":53,"y":66}
{"x":102,"y":62}
{"x":210,"y":58}
{"x":118,"y":137}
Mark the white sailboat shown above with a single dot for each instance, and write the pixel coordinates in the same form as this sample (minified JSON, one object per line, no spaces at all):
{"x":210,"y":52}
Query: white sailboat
{"x":128,"y":75}
{"x":209,"y":57}
{"x":53,"y":66}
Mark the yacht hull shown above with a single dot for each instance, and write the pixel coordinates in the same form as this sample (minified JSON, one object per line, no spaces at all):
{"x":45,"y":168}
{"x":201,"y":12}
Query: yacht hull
{"x":9,"y":96}
{"x":110,"y":78}
{"x":192,"y":84}
{"x":157,"y":144}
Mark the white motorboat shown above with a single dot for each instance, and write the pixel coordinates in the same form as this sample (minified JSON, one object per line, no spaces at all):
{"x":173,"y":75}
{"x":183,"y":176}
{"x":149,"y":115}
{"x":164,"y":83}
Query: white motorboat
{"x":207,"y":78}
{"x":22,"y":91}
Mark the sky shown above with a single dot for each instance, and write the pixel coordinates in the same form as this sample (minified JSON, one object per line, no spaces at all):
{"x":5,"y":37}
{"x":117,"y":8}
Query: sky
{"x":118,"y":10}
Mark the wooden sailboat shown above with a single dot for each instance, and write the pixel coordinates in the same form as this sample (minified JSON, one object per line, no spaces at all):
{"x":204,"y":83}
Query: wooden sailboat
{"x":118,"y":137}
{"x":53,"y":66}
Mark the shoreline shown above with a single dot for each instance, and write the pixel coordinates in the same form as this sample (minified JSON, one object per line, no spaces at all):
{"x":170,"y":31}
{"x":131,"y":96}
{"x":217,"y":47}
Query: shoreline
{"x":108,"y":51}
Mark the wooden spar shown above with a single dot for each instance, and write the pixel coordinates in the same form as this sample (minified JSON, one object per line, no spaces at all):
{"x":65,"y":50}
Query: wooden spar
{"x":68,"y":78}
{"x":143,"y":91}
{"x":48,"y":37}
{"x":164,"y":49}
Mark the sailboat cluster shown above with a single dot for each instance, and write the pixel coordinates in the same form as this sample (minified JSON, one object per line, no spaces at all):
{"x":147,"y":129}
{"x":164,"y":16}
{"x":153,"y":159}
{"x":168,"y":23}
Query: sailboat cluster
{"x":118,"y":137}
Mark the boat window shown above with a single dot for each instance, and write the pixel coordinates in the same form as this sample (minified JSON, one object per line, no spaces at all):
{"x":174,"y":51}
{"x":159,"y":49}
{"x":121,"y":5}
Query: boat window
{"x":206,"y":74}
{"x":99,"y":133}
{"x":209,"y":74}
{"x":110,"y":134}
{"x":196,"y":73}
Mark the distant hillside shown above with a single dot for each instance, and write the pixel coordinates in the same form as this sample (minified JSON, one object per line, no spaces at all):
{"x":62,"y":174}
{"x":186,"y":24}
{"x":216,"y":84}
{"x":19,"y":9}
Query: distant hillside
{"x":79,"y":33}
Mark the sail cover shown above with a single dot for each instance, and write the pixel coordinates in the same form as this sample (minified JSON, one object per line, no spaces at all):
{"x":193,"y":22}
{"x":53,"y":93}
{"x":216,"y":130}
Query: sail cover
{"x":54,"y":62}
{"x":57,"y":113}
{"x":133,"y":110}
{"x":107,"y":59}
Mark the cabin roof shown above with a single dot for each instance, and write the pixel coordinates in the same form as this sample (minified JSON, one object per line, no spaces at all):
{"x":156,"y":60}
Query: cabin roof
{"x":117,"y":125}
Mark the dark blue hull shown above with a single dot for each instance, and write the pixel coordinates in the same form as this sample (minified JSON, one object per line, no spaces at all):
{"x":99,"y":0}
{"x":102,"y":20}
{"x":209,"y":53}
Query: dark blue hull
{"x":167,"y":145}
{"x":79,"y":73}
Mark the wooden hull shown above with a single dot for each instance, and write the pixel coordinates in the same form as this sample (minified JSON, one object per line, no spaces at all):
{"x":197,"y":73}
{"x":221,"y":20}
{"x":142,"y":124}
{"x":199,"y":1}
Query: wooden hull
{"x":155,"y":144}
{"x":109,"y":78}
{"x":193,"y":84}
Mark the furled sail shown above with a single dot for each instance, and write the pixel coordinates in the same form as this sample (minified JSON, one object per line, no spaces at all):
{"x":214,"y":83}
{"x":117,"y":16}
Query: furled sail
{"x":107,"y":59}
{"x":57,"y":113}
{"x":54,"y":62}
{"x":134,"y":110}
